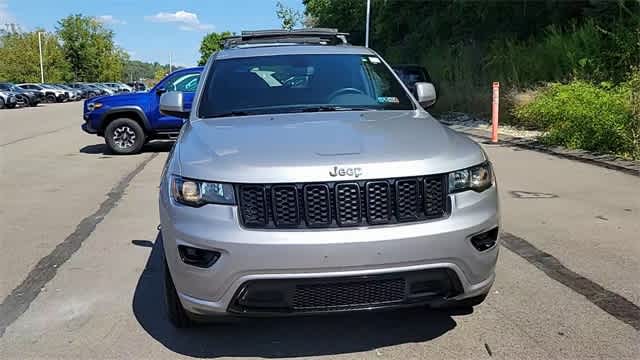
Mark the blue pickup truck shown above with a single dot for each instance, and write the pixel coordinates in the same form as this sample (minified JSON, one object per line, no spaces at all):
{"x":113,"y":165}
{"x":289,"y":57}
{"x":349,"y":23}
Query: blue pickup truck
{"x":127,"y":121}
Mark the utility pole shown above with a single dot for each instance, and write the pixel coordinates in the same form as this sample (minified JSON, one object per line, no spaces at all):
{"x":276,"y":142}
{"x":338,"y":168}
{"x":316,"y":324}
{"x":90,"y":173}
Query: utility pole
{"x":170,"y":65}
{"x":366,"y":41}
{"x":41,"y":65}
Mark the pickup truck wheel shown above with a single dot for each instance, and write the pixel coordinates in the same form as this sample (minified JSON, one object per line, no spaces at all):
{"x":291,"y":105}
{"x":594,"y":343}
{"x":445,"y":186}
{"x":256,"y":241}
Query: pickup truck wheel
{"x":177,"y":314}
{"x":124,"y":136}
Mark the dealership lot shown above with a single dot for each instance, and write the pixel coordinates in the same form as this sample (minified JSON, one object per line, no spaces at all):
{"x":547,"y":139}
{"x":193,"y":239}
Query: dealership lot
{"x":81,"y":273}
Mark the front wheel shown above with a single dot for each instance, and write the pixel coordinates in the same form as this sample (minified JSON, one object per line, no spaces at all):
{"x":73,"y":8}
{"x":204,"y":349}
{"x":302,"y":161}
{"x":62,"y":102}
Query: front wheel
{"x":1,"y":103}
{"x":124,"y":136}
{"x":51,"y":98}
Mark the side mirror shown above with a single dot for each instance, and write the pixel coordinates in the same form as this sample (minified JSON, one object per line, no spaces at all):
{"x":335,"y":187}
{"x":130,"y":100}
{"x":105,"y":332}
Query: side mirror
{"x":161,"y":91}
{"x":172,"y":104}
{"x":426,"y":94}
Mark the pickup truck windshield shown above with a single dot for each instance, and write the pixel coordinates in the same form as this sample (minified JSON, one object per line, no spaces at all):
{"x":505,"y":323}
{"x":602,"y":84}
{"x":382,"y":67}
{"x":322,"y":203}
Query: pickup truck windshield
{"x":300,"y":83}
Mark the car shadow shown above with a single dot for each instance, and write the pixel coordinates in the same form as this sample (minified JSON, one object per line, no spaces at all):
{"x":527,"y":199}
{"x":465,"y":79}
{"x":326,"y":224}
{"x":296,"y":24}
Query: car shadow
{"x":151,"y":147}
{"x":279,"y":337}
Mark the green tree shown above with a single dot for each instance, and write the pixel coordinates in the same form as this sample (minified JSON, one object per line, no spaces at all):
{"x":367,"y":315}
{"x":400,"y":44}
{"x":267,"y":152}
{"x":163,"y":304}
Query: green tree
{"x":290,"y":18}
{"x":211,"y":43}
{"x":21,"y":60}
{"x":159,"y":74}
{"x":89,"y":48}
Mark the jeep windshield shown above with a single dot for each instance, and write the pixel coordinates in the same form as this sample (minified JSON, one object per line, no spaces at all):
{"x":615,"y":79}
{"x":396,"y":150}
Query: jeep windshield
{"x":300,"y":83}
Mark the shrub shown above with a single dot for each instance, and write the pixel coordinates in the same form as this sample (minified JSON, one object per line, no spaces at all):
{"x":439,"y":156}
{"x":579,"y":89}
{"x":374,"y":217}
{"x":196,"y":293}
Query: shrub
{"x":581,"y":115}
{"x":633,"y":89}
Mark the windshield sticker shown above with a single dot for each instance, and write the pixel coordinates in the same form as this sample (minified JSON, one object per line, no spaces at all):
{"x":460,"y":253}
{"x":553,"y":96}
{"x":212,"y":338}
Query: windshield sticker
{"x":374,"y":60}
{"x":388,"y":100}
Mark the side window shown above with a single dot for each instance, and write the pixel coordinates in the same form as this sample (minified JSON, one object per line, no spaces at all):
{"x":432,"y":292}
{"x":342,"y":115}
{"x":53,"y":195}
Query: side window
{"x":183,"y":82}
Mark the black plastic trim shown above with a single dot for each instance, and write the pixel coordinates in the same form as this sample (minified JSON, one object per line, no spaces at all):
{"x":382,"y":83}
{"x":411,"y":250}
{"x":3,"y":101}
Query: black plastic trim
{"x":287,"y":287}
{"x":306,"y":205}
{"x":348,"y":223}
{"x":334,"y":215}
{"x":121,"y":109}
{"x":274,"y":205}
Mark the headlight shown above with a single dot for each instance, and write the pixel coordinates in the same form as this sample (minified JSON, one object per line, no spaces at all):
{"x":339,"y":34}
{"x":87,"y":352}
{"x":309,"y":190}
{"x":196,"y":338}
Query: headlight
{"x":93,"y":106}
{"x":477,"y":178}
{"x":197,"y":193}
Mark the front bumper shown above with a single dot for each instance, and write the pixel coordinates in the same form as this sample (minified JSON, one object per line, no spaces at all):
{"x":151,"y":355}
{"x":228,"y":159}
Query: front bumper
{"x":86,"y":127}
{"x":249,"y":256}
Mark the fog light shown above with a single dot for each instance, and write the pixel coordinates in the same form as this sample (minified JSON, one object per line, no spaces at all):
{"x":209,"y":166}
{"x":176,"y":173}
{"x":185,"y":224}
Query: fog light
{"x":198,"y":257}
{"x":485,"y":240}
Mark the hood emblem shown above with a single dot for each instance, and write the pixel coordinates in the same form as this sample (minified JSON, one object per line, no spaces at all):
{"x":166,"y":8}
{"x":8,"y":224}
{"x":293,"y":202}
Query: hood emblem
{"x":340,"y":171}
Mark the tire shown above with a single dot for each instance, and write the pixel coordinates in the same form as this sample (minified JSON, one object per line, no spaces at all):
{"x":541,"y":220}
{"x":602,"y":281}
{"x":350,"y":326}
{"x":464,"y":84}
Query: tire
{"x":34,"y":103}
{"x":124,"y":136}
{"x":50,"y":98}
{"x":1,"y":103}
{"x":176,"y":312}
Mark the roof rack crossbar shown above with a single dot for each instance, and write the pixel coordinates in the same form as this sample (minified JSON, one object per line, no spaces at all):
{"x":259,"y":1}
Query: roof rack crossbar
{"x":310,"y":35}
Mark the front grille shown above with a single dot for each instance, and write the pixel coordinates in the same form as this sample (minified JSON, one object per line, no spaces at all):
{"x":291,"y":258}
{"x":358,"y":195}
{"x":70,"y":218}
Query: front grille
{"x":353,"y":294}
{"x":341,"y":204}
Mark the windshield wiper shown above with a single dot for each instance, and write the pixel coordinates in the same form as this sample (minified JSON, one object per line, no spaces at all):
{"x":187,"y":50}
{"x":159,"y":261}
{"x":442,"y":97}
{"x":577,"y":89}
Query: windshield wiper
{"x":231,"y":113}
{"x":333,"y":108}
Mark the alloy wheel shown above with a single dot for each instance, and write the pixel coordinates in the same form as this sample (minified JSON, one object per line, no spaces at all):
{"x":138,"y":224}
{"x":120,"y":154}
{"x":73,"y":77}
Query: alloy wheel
{"x":124,"y":137}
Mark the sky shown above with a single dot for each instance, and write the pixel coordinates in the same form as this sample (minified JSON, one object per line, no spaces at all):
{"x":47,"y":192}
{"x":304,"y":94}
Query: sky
{"x":149,"y":30}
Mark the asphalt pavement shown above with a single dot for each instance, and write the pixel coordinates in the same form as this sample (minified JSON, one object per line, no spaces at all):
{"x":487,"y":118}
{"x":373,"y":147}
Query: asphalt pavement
{"x":80,"y":271}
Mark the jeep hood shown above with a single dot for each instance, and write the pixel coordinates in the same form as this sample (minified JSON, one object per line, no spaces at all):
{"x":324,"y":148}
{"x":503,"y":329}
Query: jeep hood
{"x":306,"y":147}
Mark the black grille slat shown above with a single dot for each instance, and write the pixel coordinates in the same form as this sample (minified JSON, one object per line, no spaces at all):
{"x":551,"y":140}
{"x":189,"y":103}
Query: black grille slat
{"x":348,"y":204}
{"x":284,"y":200}
{"x":434,"y":200}
{"x":317,"y":200}
{"x":337,"y":204}
{"x":378,"y":202}
{"x":407,"y":199}
{"x":253,"y":205}
{"x":350,"y":294}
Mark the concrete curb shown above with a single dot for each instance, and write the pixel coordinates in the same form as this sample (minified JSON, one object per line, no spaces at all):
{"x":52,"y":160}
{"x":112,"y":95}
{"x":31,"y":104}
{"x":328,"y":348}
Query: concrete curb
{"x":611,"y":162}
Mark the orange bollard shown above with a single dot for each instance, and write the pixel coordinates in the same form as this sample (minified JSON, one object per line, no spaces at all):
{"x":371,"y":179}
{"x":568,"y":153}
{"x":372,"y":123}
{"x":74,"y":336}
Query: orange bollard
{"x":494,"y":112}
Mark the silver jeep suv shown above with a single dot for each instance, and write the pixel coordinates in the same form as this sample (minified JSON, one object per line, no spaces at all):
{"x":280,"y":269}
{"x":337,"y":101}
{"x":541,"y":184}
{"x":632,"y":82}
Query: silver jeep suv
{"x":307,"y":179}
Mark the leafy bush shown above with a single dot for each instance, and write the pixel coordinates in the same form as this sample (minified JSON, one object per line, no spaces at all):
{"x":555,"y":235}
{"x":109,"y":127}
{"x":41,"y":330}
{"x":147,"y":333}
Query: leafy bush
{"x":581,"y":115}
{"x":587,"y":51}
{"x":633,"y":93}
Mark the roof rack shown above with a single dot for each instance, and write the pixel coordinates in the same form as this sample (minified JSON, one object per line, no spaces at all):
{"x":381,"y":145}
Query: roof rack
{"x":318,"y":36}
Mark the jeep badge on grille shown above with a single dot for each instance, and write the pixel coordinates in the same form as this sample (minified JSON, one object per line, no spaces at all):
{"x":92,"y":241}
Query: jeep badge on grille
{"x":338,"y":171}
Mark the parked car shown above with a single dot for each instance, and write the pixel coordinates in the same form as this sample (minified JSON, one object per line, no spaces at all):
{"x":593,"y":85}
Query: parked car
{"x":88,"y":90}
{"x":50,"y":94}
{"x":75,"y":94}
{"x":137,"y":86}
{"x":69,"y":95}
{"x":8,"y":100}
{"x":125,"y":87}
{"x":413,"y":74}
{"x":306,"y":179}
{"x":127,"y":121}
{"x":28,"y":97}
{"x":118,"y":87}
{"x":105,"y":89}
